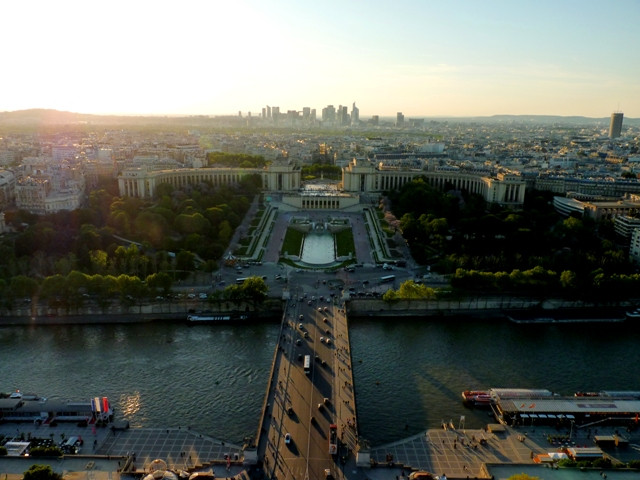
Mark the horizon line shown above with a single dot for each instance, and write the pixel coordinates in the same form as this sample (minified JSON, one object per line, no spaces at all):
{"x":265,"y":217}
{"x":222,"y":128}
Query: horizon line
{"x":245,"y":114}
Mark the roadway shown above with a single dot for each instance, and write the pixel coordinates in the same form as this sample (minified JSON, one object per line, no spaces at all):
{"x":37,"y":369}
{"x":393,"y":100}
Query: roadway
{"x":303,"y":404}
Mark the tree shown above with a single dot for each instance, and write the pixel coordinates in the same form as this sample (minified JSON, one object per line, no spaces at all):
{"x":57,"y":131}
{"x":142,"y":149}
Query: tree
{"x":568,"y":280}
{"x":410,"y":290}
{"x":225,"y":232}
{"x":23,"y":286}
{"x":185,"y":262}
{"x":100,"y":203}
{"x":131,"y":287}
{"x":99,"y":261}
{"x":41,"y":472}
{"x":152,"y":227}
{"x":53,"y":286}
{"x":194,"y":223}
{"x":160,"y":282}
{"x":254,"y":289}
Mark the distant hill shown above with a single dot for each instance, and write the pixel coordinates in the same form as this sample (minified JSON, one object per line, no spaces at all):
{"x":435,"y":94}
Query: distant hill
{"x":43,"y":117}
{"x":46,"y":117}
{"x":537,"y":119}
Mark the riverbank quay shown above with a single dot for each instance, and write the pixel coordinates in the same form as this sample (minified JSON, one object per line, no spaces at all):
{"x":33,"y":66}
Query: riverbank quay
{"x":166,"y":311}
{"x":487,"y":308}
{"x":516,"y":309}
{"x":497,"y":452}
{"x":108,"y":453}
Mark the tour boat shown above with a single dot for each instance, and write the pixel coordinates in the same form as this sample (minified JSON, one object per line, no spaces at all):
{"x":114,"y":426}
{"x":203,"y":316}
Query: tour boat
{"x":215,"y":317}
{"x":476,"y":397}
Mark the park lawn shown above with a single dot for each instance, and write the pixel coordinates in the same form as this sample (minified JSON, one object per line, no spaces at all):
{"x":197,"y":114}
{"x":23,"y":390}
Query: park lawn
{"x":344,"y":243}
{"x":292,"y":242}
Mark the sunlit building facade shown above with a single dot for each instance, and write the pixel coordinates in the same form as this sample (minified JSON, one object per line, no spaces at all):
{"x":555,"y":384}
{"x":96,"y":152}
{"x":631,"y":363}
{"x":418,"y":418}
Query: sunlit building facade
{"x":615,"y":125}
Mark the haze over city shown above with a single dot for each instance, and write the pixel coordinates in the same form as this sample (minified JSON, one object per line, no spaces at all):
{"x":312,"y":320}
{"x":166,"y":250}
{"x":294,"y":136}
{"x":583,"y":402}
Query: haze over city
{"x":462,"y":58}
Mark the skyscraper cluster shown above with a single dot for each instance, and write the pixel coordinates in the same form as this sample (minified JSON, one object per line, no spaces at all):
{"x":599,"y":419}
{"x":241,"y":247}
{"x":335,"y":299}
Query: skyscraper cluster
{"x":330,"y":115}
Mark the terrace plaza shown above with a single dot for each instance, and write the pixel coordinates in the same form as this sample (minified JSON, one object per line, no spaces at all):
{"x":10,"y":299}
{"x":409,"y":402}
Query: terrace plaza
{"x":455,"y":453}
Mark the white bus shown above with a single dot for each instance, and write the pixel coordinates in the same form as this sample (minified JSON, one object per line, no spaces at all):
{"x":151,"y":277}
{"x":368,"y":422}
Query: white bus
{"x":240,"y":280}
{"x":307,"y":364}
{"x":387,"y":278}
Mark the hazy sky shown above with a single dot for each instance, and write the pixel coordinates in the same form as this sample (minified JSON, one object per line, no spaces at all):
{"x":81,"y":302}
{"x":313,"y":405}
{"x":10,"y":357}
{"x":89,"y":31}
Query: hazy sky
{"x":420,"y":57}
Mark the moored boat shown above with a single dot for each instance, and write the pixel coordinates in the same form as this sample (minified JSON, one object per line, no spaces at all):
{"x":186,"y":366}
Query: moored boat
{"x":476,"y":397}
{"x":17,"y":407}
{"x":482,"y":400}
{"x":205,"y":317}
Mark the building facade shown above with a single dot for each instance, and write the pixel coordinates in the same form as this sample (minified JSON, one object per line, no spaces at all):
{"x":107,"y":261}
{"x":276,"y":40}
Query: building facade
{"x":634,"y":246}
{"x":359,"y":177}
{"x":365,"y":177}
{"x":142,"y":183}
{"x":37,"y":195}
{"x":615,"y":125}
{"x":7,"y":188}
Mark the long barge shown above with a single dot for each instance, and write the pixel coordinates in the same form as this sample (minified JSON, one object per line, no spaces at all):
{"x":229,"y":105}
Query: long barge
{"x":208,"y":317}
{"x":543,"y":407}
{"x":18,"y":407}
{"x":540,"y":316}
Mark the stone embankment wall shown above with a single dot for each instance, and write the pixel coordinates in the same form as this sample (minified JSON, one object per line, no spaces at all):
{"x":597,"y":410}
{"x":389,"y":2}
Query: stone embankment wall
{"x":116,"y":313}
{"x":470,"y":307}
{"x":272,"y":309}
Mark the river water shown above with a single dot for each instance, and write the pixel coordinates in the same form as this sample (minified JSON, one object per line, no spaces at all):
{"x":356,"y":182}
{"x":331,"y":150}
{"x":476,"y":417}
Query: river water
{"x":408,"y":372}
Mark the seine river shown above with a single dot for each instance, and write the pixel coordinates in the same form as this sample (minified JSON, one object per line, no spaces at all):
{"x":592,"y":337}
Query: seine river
{"x":408,"y":373}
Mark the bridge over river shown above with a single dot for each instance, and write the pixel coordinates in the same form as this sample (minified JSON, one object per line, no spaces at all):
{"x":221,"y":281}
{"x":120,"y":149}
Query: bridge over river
{"x":309,"y":423}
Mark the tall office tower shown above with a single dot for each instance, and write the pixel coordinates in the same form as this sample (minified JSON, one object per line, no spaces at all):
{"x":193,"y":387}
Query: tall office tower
{"x":306,"y":112}
{"x":313,"y":115}
{"x":355,"y":114}
{"x":275,"y":113}
{"x":329,"y":114}
{"x":375,"y":120}
{"x":292,"y":117}
{"x":264,"y":112}
{"x":399,"y":119}
{"x":615,"y":126}
{"x":342,"y":115}
{"x":268,"y":111}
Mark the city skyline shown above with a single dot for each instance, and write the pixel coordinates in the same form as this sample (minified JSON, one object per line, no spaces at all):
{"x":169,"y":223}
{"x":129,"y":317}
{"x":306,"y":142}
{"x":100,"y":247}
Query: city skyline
{"x":419,"y":58}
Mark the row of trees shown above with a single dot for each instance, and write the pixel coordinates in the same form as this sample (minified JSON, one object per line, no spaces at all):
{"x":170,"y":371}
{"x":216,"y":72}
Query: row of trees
{"x":181,"y":230}
{"x":75,"y":288}
{"x":458,"y":232}
{"x":597,"y":285}
{"x":237,"y":160}
{"x":253,"y":289}
{"x":410,"y":290}
{"x":321,"y":170}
